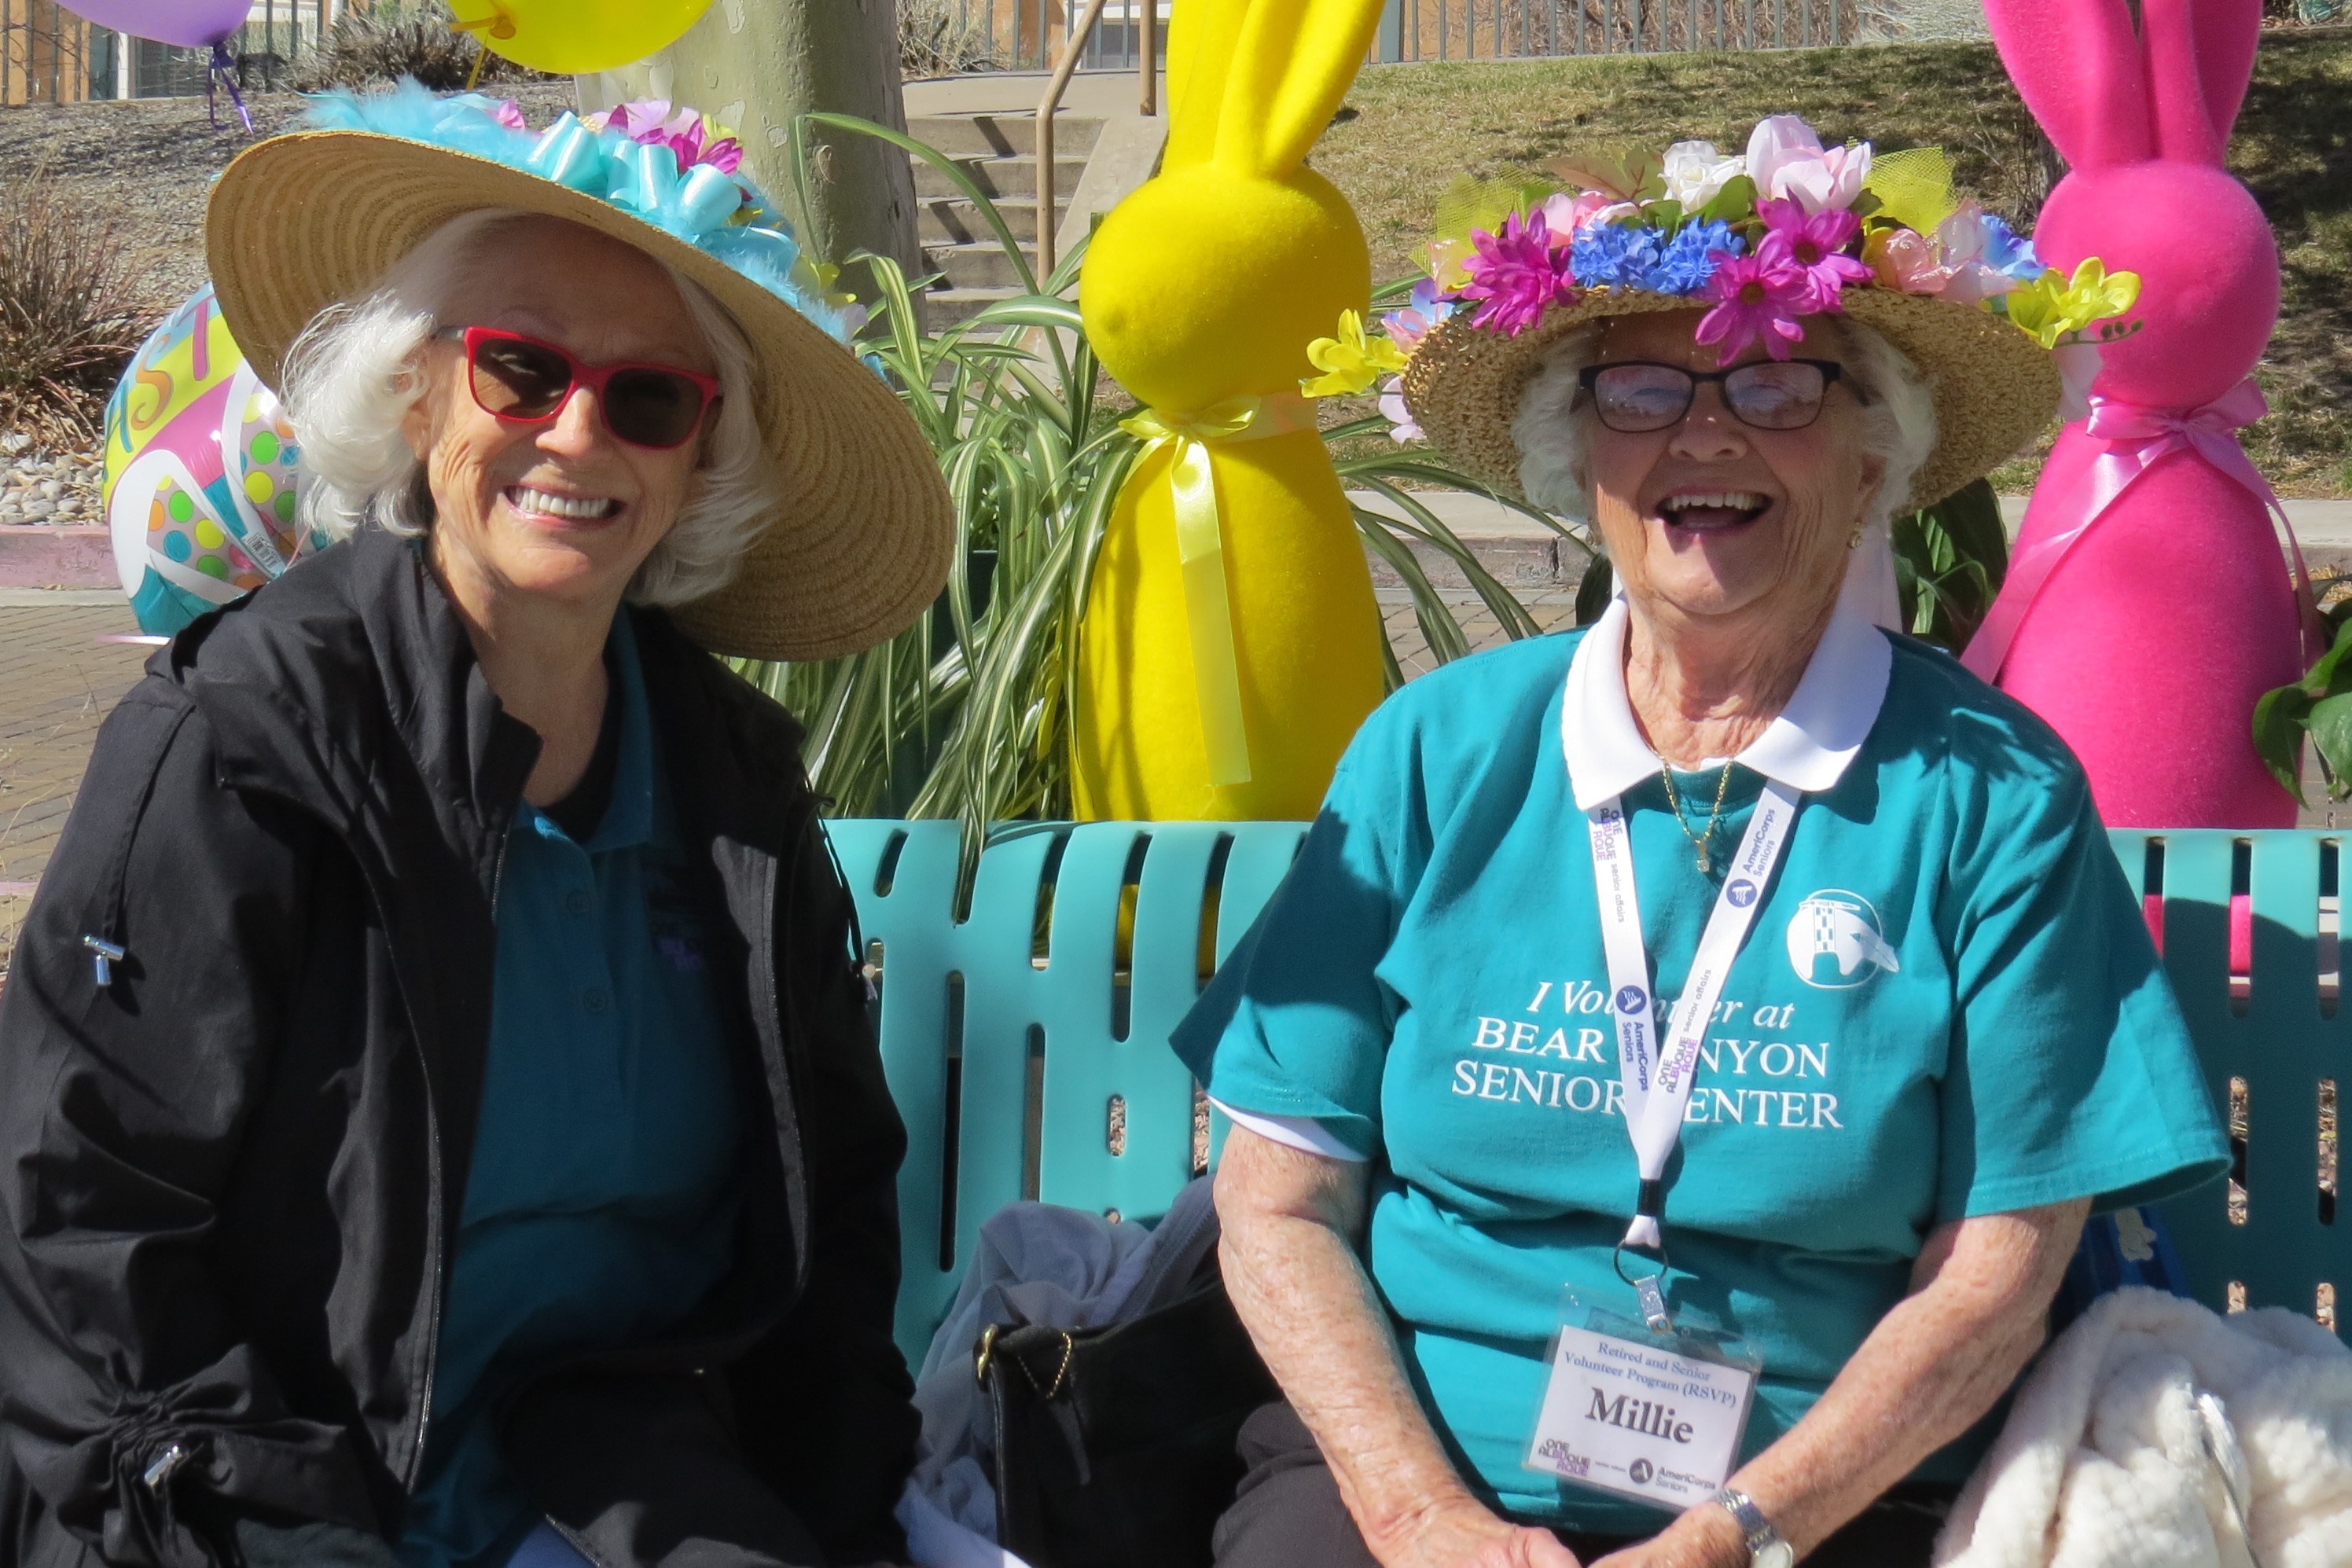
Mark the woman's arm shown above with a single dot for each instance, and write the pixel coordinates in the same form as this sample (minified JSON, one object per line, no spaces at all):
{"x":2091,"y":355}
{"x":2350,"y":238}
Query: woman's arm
{"x":1978,"y":1311}
{"x":1292,"y":1222}
{"x":123,"y":1113}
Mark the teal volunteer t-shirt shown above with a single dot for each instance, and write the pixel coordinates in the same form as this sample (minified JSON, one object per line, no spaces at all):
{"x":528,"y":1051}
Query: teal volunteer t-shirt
{"x":1947,"y":1006}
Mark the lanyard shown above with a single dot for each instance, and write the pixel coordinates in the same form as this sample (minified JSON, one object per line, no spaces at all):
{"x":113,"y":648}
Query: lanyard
{"x":1657,"y":1074}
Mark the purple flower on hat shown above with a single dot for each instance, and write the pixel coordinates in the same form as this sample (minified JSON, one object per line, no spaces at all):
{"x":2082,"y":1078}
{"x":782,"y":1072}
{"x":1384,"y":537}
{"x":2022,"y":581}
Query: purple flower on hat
{"x":1514,"y":276}
{"x":1757,"y":297}
{"x":1815,"y":243}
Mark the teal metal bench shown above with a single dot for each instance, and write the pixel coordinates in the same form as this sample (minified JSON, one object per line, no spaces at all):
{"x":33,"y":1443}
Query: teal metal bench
{"x":1025,"y":1040}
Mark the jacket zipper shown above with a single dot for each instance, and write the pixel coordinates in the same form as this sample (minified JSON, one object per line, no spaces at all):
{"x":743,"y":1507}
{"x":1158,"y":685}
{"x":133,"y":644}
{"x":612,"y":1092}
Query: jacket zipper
{"x":443,"y":1228}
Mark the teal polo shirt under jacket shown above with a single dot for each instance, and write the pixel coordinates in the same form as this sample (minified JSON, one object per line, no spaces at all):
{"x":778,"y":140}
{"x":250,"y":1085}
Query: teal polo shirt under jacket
{"x":601,"y":1206}
{"x":1947,"y":1006}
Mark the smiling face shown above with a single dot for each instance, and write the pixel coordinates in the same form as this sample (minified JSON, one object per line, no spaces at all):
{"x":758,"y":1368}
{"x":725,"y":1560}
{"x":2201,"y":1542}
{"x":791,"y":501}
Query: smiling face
{"x":1712,"y":519}
{"x":561,"y":511}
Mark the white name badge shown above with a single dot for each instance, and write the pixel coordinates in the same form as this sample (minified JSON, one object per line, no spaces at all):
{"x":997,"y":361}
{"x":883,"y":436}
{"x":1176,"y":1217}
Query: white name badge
{"x":1649,"y":1417}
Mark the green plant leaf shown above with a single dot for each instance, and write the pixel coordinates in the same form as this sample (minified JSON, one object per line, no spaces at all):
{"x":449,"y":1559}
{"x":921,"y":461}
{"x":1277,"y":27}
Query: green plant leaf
{"x":1734,"y":202}
{"x":2279,"y":720}
{"x":950,"y":170}
{"x":1030,"y":310}
{"x":2331,"y":735}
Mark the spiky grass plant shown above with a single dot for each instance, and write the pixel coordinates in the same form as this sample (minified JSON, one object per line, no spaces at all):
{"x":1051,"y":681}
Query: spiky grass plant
{"x":71,"y":316}
{"x":966,"y":714}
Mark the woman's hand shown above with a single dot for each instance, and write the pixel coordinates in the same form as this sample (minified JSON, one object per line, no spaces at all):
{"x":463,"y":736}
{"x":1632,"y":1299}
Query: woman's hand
{"x":1462,"y":1533}
{"x":1703,"y":1537}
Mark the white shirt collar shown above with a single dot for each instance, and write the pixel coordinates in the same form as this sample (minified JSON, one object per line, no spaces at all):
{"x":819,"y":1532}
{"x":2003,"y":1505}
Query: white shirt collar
{"x":1806,"y":749}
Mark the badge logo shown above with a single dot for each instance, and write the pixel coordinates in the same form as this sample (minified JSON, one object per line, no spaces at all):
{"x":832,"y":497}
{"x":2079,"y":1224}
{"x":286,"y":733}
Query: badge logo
{"x":1836,"y":943}
{"x":1741,"y":892}
{"x":1631,"y":999}
{"x":1639,"y":1471}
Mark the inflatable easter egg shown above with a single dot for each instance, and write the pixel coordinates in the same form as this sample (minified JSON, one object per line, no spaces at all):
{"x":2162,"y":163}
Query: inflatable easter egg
{"x":201,"y":487}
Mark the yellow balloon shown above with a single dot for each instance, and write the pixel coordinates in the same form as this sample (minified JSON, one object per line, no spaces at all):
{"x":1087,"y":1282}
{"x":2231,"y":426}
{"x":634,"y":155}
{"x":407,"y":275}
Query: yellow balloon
{"x":573,"y":38}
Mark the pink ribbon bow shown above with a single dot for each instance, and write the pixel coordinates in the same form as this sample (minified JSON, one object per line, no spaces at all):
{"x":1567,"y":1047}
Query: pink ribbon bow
{"x":2137,"y":437}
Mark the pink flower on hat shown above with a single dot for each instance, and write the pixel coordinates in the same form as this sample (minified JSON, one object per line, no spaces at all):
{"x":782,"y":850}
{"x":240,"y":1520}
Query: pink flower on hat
{"x":1514,"y":276}
{"x":1903,"y":259}
{"x":1815,"y":243}
{"x":1757,"y":297}
{"x":691,"y":138}
{"x":1563,"y":215}
{"x":1787,"y":160}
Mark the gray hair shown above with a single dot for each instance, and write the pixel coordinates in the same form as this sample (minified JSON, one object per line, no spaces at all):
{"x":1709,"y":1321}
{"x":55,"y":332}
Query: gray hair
{"x":1898,"y":420}
{"x":357,"y":370}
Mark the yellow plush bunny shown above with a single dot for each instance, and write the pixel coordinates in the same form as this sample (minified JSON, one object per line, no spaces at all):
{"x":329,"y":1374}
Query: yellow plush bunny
{"x":1232,"y":643}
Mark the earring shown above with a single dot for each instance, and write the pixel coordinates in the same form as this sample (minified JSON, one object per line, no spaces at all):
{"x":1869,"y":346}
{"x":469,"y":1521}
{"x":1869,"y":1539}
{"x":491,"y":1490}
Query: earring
{"x":1853,"y":540}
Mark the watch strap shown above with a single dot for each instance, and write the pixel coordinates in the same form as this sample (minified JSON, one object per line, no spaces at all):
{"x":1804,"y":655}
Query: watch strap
{"x":1766,"y":1549}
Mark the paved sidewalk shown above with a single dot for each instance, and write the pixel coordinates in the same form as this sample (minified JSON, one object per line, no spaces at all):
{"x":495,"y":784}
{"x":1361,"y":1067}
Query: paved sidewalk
{"x":58,"y":682}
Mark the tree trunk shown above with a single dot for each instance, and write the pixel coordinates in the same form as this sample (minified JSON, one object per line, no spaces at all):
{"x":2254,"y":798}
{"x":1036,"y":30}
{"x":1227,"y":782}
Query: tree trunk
{"x":754,"y":65}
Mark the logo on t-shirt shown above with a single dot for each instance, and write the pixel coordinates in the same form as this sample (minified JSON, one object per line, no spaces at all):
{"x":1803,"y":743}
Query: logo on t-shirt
{"x":1835,"y":942}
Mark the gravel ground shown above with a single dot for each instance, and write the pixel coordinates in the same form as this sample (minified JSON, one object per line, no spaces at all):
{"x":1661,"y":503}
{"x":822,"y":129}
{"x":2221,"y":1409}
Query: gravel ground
{"x":45,"y":488}
{"x":147,"y":163}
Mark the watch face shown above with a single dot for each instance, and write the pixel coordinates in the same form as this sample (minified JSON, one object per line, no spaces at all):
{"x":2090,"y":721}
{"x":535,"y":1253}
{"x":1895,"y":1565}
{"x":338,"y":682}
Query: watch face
{"x":1779,"y":1554}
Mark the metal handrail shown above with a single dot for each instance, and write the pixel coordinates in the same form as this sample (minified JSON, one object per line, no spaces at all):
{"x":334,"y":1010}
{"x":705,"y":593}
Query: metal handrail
{"x":1146,"y":65}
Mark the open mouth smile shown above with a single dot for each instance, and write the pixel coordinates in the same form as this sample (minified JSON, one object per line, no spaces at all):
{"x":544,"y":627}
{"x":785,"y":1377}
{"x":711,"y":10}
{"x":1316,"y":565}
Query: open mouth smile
{"x":1704,"y":511}
{"x":531,"y":500}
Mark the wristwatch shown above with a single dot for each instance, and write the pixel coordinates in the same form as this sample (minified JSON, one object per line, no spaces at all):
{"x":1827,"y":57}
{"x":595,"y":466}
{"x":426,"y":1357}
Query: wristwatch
{"x":1765,"y":1547}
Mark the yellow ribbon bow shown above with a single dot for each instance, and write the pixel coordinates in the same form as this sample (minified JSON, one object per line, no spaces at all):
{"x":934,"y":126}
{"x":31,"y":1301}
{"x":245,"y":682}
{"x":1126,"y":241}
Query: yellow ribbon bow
{"x":1201,"y":548}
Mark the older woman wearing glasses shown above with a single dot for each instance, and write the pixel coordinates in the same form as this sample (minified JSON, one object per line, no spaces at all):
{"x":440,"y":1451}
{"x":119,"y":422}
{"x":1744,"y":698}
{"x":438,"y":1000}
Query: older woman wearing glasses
{"x":1673,"y":1078}
{"x":438,"y":1119}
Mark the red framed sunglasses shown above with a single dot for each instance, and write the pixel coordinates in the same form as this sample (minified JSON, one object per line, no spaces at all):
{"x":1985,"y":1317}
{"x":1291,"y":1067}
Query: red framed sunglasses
{"x":527,"y":380}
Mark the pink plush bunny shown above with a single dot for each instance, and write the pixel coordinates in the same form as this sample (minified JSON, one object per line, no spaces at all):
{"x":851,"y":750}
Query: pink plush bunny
{"x":2146,"y":637}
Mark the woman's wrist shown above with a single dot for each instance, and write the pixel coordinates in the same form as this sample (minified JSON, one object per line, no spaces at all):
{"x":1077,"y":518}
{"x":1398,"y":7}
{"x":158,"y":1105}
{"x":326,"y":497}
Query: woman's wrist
{"x":1392,"y":1526}
{"x":1706,"y":1536}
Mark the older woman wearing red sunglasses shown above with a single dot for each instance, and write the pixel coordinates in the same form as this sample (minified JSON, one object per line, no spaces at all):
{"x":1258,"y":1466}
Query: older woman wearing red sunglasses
{"x":439,"y":1124}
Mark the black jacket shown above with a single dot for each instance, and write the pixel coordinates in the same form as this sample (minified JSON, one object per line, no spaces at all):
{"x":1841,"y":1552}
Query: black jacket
{"x":229,"y":1178}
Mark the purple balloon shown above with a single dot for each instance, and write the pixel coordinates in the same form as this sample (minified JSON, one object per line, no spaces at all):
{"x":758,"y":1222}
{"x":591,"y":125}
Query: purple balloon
{"x":191,"y":24}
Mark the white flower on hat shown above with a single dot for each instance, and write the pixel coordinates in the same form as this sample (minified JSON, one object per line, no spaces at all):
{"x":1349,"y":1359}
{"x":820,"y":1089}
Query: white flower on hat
{"x":1696,"y":172}
{"x":1788,"y":162}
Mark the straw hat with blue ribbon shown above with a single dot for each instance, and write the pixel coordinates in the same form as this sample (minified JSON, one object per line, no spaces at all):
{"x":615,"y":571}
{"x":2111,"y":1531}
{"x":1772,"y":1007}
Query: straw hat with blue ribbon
{"x":865,"y":530}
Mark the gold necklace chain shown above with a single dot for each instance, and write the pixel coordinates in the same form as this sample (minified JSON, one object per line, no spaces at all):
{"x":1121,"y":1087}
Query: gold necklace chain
{"x":1699,"y":840}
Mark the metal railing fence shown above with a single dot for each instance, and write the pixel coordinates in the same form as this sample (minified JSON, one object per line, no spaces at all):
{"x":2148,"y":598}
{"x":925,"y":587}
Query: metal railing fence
{"x":48,"y":55}
{"x":1502,"y":29}
{"x":44,"y":54}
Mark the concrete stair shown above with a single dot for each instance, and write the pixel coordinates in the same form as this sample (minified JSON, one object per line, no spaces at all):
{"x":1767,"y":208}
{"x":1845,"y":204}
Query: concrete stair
{"x":999,"y":152}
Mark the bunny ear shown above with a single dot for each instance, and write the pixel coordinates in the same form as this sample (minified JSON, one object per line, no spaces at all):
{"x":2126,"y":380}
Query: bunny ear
{"x":1200,"y":38}
{"x":2077,"y":64}
{"x":1292,"y":65}
{"x":2200,"y":54}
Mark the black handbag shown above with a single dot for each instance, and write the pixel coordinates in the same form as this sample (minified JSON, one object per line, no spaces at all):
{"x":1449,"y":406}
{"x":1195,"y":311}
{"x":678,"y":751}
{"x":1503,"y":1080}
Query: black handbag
{"x":1114,"y":1446}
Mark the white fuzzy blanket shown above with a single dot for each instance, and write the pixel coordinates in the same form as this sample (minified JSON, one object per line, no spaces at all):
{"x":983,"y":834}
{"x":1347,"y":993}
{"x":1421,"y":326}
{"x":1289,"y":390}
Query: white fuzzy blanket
{"x":2155,"y":1434}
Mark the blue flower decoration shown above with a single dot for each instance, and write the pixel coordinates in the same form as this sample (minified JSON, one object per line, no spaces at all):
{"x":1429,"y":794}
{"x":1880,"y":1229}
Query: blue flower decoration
{"x":699,"y":206}
{"x":2007,"y":253}
{"x":1689,"y":260}
{"x":1620,"y":256}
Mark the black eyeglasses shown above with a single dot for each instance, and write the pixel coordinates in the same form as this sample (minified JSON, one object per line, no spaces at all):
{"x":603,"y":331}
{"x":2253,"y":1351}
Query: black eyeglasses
{"x":1637,"y":396}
